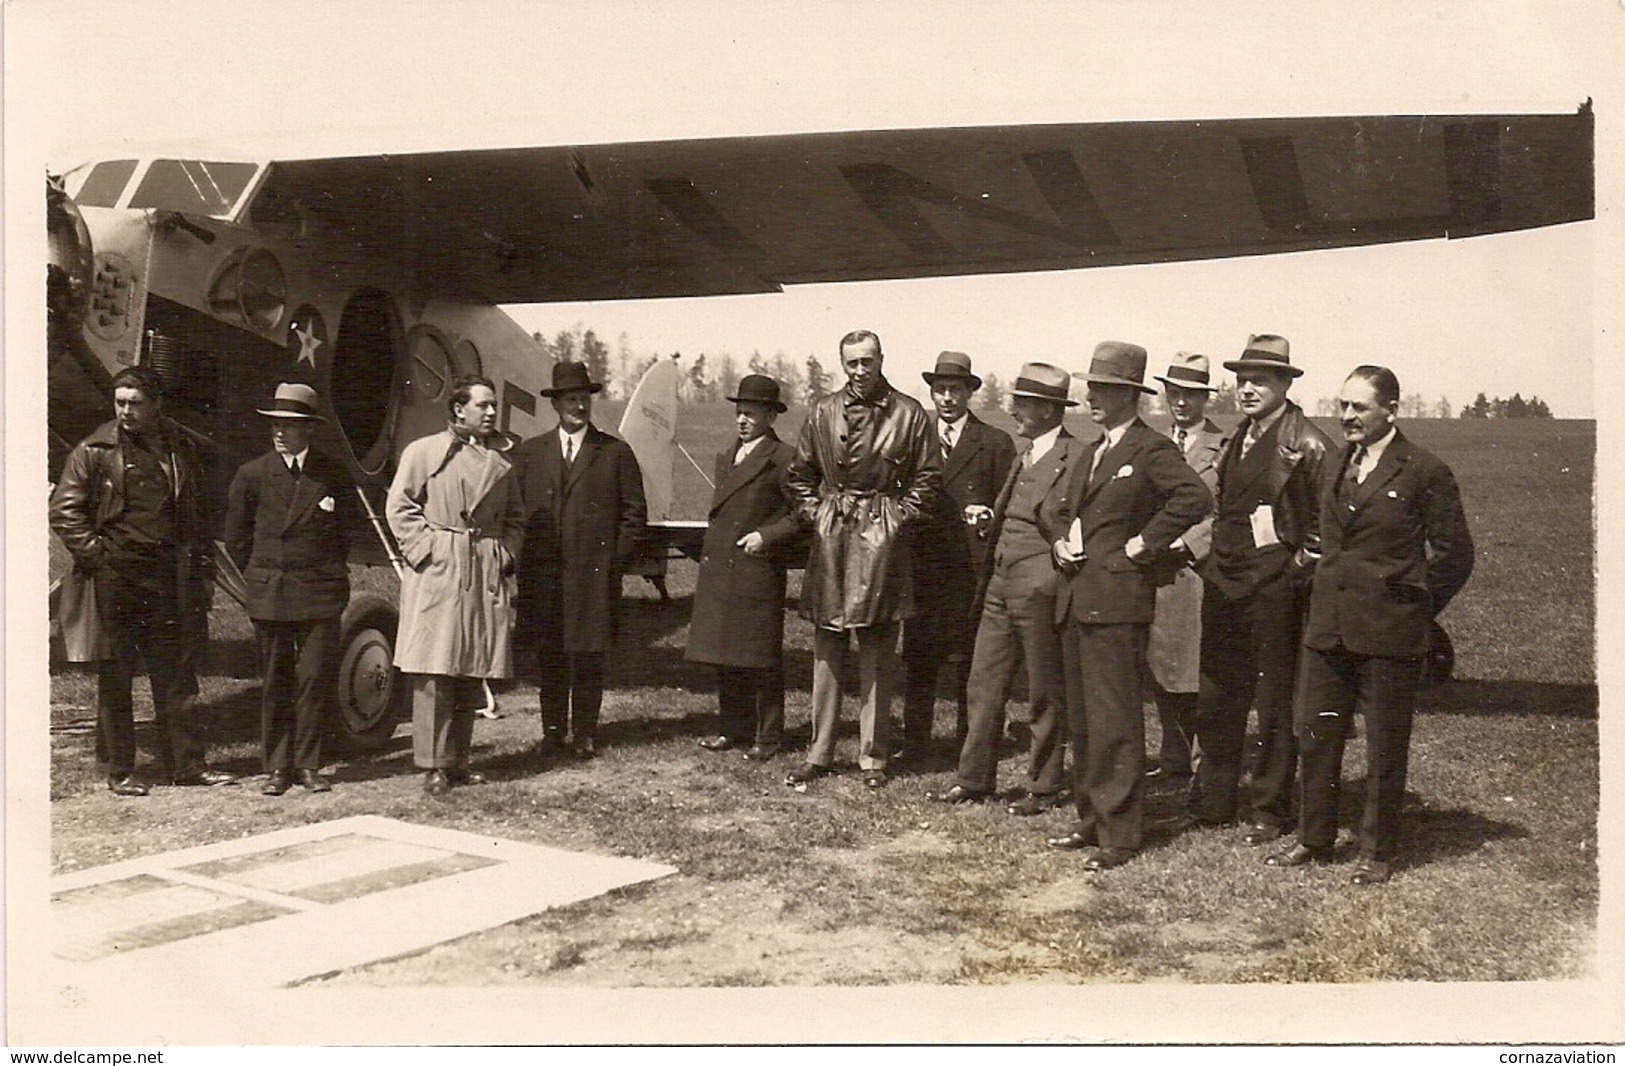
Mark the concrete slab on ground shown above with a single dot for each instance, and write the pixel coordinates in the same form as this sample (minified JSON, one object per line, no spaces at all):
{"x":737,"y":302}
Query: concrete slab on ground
{"x":282,"y":907}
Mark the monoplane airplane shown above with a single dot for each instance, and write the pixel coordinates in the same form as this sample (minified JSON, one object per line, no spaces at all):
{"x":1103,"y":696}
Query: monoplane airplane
{"x":378,"y":278}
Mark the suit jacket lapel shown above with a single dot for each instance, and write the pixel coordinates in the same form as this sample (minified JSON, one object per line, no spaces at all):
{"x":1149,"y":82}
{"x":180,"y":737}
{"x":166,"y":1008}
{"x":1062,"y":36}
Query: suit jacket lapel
{"x":306,"y":491}
{"x":282,"y":480}
{"x":965,"y":446}
{"x":1243,"y":471}
{"x":1104,"y":470}
{"x":591,"y":444}
{"x":1394,"y":458}
{"x":740,"y":474}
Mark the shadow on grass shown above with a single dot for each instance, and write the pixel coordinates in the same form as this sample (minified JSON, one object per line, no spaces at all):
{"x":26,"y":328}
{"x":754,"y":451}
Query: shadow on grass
{"x":1432,"y":833}
{"x":1523,"y":699}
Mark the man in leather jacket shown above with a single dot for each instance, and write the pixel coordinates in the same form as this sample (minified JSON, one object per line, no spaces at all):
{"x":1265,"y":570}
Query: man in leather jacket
{"x":867,"y":467}
{"x":1265,"y":543}
{"x":126,"y":507}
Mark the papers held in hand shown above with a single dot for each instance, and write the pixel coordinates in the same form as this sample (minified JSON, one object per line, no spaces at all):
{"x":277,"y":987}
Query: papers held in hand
{"x":1074,"y":539}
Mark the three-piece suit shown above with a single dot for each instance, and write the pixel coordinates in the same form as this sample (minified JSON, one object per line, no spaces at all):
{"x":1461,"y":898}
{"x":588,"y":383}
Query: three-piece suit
{"x":950,"y":560}
{"x":1018,"y":622}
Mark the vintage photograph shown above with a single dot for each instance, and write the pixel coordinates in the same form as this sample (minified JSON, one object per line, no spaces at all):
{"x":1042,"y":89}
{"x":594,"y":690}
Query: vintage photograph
{"x":759,"y":524}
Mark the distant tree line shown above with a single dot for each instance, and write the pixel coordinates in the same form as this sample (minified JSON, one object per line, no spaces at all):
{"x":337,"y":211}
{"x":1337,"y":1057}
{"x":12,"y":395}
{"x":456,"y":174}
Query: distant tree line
{"x":1411,"y":405}
{"x":705,"y":377}
{"x":1516,"y":407}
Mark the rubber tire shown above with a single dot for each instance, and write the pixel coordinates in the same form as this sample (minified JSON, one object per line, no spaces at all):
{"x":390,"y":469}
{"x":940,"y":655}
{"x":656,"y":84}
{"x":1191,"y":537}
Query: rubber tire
{"x":370,"y":697}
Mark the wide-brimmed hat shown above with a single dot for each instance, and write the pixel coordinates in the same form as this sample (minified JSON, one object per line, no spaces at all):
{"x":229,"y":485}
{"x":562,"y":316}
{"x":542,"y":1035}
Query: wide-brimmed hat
{"x":952,"y":366}
{"x":1040,"y":381}
{"x":1266,"y":351}
{"x":1188,"y":371}
{"x":758,"y":388}
{"x":293,"y":400}
{"x":572,"y":377}
{"x":1118,"y":363}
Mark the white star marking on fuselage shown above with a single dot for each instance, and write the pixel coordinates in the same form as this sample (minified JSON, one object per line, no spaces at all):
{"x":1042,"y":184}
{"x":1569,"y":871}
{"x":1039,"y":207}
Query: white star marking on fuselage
{"x":308,"y":343}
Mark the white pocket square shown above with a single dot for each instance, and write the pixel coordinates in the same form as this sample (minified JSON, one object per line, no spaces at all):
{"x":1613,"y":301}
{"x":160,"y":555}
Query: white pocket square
{"x":1392,"y":495}
{"x":1125,"y":470}
{"x":326,"y":503}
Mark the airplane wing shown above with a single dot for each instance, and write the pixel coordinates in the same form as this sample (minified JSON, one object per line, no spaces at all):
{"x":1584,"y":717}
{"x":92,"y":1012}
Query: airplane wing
{"x":745,"y":215}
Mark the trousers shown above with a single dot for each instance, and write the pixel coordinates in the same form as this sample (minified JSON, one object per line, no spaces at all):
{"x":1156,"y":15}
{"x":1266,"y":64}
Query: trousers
{"x":297,"y":660}
{"x":443,"y":719}
{"x":877,"y":669}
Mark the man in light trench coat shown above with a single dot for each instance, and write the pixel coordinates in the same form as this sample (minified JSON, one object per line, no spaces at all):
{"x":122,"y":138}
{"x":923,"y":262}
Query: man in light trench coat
{"x":456,"y":513}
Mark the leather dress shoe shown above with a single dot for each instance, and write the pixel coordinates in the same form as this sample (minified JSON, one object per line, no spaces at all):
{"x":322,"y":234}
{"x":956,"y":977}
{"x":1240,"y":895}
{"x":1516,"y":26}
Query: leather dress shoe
{"x":125,"y":785}
{"x":1371,"y":872}
{"x":312,"y":781}
{"x":1108,"y":858}
{"x":761,"y":752}
{"x":585,"y":748}
{"x":1076,"y":840}
{"x":276,"y":783}
{"x":957,"y":794}
{"x":801,"y":775}
{"x":436,"y":783}
{"x":204,"y":777}
{"x":1298,"y":855}
{"x":716,"y":743}
{"x":1031,"y":804}
{"x":1260,"y":833}
{"x":875,"y":779}
{"x":463,"y":776}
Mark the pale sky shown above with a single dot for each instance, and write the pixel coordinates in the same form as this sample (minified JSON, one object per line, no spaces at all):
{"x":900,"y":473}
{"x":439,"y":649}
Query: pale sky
{"x":1502,"y":314}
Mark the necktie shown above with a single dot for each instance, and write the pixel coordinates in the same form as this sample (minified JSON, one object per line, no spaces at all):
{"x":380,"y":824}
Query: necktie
{"x":1356,"y":473}
{"x":569,"y":450}
{"x":1101,"y":448}
{"x":293,"y":468}
{"x":1251,"y":437}
{"x":1027,"y":458}
{"x":948,"y":436}
{"x":1179,"y":437}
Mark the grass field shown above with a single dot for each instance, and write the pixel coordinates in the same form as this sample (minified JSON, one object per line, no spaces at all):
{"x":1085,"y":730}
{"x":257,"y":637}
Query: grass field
{"x":839,"y":885}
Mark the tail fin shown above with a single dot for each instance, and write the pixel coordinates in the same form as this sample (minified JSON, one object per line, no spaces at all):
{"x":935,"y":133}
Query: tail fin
{"x":650,"y":427}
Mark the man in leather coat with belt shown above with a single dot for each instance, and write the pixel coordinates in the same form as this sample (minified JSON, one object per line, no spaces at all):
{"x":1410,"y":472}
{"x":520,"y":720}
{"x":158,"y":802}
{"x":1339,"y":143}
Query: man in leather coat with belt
{"x":867,"y":467}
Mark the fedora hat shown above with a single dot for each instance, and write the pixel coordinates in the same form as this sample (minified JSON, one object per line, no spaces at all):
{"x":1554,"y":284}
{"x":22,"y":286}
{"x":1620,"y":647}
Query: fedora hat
{"x":1118,"y":363}
{"x":952,"y":366}
{"x":572,"y":377}
{"x":293,"y":400}
{"x":1188,"y":371}
{"x":758,"y":388}
{"x":1040,"y":381}
{"x":1266,"y":351}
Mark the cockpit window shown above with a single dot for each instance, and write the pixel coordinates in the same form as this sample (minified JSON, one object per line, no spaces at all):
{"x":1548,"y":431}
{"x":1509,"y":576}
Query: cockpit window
{"x":104,"y":183}
{"x":192,"y":186}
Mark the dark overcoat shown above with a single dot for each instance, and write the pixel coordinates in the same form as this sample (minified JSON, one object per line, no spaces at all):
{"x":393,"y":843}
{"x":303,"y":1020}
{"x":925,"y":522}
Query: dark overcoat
{"x":738,"y":615}
{"x":1142,"y":487}
{"x":290,"y":537}
{"x":858,"y":492}
{"x":1394,"y":550}
{"x":950,"y":557}
{"x":583,"y":528}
